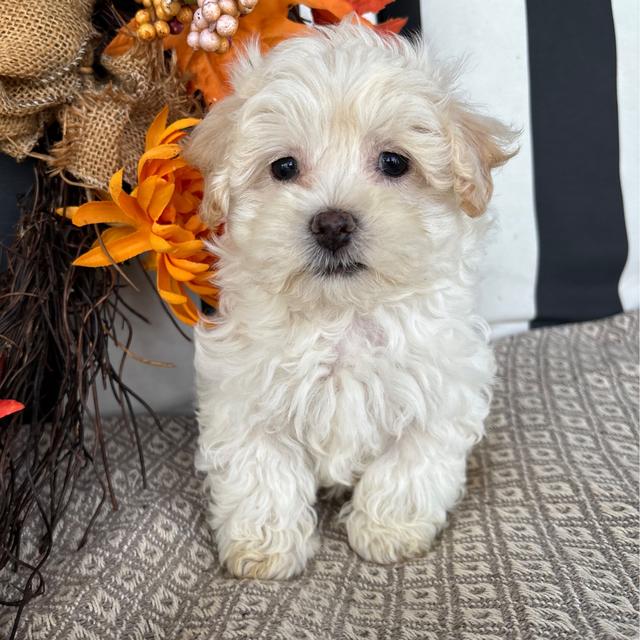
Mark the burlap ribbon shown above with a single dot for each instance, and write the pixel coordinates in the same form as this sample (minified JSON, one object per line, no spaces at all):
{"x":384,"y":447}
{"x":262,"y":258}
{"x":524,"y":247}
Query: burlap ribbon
{"x":46,"y":56}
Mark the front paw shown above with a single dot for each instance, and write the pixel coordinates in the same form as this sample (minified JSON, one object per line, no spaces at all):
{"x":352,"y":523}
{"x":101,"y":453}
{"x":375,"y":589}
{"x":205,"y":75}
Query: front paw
{"x":269,"y":558}
{"x":391,"y":541}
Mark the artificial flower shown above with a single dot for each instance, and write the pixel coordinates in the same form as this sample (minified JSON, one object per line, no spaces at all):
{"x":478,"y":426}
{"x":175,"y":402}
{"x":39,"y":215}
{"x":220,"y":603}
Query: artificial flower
{"x":158,"y":218}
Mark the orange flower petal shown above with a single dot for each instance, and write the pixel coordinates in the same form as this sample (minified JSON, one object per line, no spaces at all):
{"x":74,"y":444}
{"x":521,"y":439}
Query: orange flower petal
{"x":155,"y":131}
{"x":186,"y":312}
{"x":121,"y":246}
{"x":190,"y":265}
{"x":163,"y":152}
{"x":202,"y":289}
{"x":186,"y":249}
{"x":159,"y":244}
{"x":172,"y":232}
{"x":161,"y":198}
{"x":181,"y":275}
{"x":167,"y":287}
{"x":194,"y":224}
{"x":179,"y":126}
{"x":144,"y":192}
{"x":127,"y":203}
{"x":99,"y":212}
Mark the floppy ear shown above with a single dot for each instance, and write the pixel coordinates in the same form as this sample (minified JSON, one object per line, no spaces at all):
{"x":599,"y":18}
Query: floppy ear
{"x":479,"y":144}
{"x":208,"y":148}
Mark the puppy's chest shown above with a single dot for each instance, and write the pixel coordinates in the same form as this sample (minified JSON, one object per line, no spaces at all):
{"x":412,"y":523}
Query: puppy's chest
{"x":350,"y":407}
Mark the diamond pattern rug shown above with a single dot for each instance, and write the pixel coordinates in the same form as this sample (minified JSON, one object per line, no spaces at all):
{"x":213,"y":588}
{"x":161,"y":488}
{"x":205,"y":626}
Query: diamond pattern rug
{"x":543,"y":546}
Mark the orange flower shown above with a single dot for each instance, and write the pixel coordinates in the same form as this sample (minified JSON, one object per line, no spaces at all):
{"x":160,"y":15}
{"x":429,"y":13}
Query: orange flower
{"x":159,"y":217}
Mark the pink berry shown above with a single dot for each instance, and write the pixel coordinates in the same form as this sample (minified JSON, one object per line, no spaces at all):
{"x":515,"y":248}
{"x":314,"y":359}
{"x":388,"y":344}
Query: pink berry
{"x":199,"y":21}
{"x":211,"y":11}
{"x":209,"y":40}
{"x":193,"y":39}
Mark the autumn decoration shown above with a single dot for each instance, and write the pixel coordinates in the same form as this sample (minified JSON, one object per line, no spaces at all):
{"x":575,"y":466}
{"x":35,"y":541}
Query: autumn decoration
{"x":158,"y":218}
{"x":98,"y":97}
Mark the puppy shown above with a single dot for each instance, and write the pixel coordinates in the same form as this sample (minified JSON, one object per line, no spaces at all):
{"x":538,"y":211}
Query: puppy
{"x":346,"y":353}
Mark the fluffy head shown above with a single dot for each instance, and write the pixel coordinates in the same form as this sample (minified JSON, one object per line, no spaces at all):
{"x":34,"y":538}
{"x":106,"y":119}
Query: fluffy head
{"x":335,"y":101}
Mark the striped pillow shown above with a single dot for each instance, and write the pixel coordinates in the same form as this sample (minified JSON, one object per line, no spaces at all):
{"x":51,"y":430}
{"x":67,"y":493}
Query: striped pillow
{"x":566,"y":247}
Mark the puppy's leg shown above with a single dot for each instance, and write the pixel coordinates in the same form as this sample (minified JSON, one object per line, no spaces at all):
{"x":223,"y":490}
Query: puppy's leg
{"x":402,"y":499}
{"x":262,"y":511}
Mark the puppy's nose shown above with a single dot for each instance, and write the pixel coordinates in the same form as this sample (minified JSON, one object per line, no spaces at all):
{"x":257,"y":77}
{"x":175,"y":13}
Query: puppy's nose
{"x":332,"y":229}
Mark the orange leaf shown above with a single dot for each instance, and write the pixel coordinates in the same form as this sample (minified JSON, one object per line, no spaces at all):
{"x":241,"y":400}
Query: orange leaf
{"x":338,"y":8}
{"x":209,"y":71}
{"x":393,"y":25}
{"x":122,"y":42}
{"x":369,"y":6}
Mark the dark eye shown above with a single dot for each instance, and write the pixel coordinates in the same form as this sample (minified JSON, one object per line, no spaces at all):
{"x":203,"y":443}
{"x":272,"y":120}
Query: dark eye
{"x":393,"y":164}
{"x":284,"y":168}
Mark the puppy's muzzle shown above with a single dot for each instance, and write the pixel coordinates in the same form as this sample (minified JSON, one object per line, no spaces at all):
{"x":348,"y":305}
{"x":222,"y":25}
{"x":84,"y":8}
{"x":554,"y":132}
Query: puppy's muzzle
{"x":333,"y":229}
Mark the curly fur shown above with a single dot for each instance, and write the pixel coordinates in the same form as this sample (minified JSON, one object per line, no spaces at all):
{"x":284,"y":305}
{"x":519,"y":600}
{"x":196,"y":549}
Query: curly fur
{"x":377,"y":380}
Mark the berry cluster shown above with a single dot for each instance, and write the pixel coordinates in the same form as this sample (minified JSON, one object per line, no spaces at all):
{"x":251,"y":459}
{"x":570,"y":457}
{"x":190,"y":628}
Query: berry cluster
{"x":215,"y":22}
{"x":159,"y":18}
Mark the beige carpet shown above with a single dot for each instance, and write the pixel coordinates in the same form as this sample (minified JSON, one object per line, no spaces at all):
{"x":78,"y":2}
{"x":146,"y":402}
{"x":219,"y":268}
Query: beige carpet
{"x":544,"y":546}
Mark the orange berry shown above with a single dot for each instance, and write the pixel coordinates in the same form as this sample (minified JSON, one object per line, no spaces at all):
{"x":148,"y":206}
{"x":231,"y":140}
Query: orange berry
{"x":185,"y":15}
{"x":146,"y":32}
{"x":162,"y":28}
{"x":174,"y":8}
{"x":143,"y":16}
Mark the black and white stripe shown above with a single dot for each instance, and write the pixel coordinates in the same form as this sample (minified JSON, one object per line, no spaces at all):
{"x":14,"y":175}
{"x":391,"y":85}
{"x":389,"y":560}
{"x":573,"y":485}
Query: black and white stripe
{"x":566,"y":247}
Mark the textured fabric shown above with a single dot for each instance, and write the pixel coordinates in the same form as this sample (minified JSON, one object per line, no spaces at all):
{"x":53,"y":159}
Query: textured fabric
{"x":543,"y":546}
{"x":39,"y":38}
{"x":43,"y":47}
{"x":105,"y":127}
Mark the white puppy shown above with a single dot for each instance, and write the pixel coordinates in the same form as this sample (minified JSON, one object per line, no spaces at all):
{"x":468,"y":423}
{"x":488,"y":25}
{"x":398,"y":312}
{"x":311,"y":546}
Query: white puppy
{"x":346,"y":352}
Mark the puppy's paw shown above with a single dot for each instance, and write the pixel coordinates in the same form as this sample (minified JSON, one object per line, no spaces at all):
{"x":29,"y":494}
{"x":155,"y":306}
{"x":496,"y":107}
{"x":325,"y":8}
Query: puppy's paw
{"x":256,"y":559}
{"x":387,"y":542}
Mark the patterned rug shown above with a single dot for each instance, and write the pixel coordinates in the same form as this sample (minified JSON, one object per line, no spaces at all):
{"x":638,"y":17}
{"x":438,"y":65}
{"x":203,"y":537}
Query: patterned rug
{"x":543,"y":546}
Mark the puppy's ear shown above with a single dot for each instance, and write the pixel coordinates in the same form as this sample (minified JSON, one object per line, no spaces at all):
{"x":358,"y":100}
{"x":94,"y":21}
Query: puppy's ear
{"x":208,"y":148}
{"x":479,"y":144}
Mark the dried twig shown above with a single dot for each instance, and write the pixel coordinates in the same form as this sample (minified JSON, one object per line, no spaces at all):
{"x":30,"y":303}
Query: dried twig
{"x":56,"y":322}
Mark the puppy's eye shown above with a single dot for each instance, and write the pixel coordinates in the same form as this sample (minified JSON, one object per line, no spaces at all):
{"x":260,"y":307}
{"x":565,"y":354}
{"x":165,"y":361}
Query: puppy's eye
{"x":393,"y":164}
{"x":284,"y":169}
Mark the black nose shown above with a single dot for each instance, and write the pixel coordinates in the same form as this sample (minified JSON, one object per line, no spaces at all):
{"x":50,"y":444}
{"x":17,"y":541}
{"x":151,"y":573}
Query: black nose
{"x":332,"y":229}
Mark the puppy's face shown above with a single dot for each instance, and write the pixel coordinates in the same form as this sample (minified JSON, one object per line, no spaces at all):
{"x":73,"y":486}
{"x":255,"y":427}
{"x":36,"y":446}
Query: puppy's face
{"x":344,"y":168}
